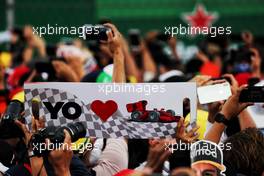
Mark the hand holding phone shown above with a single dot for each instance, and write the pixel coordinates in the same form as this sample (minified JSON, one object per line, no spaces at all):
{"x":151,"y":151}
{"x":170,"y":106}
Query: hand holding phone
{"x":232,"y":107}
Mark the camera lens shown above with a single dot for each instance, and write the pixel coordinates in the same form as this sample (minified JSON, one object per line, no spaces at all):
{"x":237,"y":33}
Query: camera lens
{"x":103,"y":33}
{"x":76,"y":130}
{"x":56,"y":135}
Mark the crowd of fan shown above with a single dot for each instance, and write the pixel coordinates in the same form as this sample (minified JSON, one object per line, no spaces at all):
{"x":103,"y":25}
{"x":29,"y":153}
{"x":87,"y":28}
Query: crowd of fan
{"x":155,"y":60}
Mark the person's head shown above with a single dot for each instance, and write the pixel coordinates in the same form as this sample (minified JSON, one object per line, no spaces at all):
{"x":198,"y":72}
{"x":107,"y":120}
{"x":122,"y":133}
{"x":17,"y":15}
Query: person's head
{"x":205,"y":169}
{"x":11,"y":134}
{"x":16,"y":35}
{"x":28,"y":31}
{"x":78,"y":43}
{"x":183,"y":171}
{"x":27,"y":55}
{"x":207,"y":159}
{"x":168,"y":65}
{"x":7,"y":155}
{"x":246,"y":154}
{"x":192,"y":67}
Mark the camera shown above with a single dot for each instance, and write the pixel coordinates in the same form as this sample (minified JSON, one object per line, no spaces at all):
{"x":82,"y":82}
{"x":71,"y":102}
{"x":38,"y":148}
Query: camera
{"x":252,"y":94}
{"x":8,"y":129}
{"x":97,"y":32}
{"x":56,"y":136}
{"x":13,"y":111}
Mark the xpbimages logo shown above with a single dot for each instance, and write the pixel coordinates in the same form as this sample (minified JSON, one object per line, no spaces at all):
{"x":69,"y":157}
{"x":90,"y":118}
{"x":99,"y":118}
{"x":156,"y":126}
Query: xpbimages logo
{"x":43,"y":147}
{"x":147,"y":89}
{"x":80,"y":31}
{"x":213,"y":31}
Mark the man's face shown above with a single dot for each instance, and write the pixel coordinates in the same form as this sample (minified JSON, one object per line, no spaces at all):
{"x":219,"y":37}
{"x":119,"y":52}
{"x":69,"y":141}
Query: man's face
{"x":204,"y":169}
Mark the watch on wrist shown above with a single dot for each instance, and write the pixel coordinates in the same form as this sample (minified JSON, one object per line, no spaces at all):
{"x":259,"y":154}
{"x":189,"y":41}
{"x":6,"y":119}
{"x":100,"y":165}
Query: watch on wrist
{"x":220,"y":118}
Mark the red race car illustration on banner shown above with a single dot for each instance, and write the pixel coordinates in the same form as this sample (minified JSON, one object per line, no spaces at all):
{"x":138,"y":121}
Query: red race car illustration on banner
{"x":140,"y":114}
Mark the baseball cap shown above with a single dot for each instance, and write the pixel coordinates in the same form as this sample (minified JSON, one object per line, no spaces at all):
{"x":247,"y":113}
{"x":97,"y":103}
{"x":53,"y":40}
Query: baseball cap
{"x":207,"y":152}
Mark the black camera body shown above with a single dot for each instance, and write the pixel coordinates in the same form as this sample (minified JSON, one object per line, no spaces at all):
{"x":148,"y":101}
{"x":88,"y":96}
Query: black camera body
{"x":8,"y":129}
{"x":14,"y":110}
{"x":96,"y":32}
{"x":56,"y":136}
{"x":252,"y":94}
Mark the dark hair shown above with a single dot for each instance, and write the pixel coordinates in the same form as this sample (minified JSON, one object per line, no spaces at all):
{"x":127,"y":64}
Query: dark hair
{"x":137,"y":152}
{"x":193,"y":66}
{"x":246,"y":153}
{"x":6,"y":153}
{"x":180,"y":158}
{"x":17,"y":31}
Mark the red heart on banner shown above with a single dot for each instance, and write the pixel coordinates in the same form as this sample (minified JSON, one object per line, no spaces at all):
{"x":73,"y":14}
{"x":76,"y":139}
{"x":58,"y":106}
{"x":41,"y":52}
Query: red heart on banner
{"x":104,"y":110}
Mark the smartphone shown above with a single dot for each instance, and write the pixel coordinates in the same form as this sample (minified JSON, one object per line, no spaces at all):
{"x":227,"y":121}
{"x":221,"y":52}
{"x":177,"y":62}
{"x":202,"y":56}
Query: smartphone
{"x":214,"y":93}
{"x":252,"y":94}
{"x":134,"y":38}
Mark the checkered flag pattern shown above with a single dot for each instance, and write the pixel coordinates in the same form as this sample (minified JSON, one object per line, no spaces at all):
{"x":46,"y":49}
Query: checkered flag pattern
{"x":116,"y":126}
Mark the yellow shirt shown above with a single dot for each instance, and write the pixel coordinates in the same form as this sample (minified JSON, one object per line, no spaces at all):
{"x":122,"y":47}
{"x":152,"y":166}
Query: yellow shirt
{"x":201,"y":121}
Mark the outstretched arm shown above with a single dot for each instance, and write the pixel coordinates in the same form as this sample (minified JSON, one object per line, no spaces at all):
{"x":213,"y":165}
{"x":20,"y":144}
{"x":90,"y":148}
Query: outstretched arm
{"x":245,"y":120}
{"x":231,"y":108}
{"x":115,"y":46}
{"x":130,"y":65}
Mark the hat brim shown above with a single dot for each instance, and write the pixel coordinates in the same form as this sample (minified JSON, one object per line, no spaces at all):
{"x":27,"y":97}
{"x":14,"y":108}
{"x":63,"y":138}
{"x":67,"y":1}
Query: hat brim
{"x":219,"y":166}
